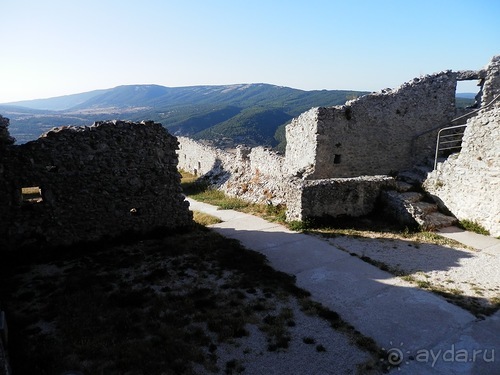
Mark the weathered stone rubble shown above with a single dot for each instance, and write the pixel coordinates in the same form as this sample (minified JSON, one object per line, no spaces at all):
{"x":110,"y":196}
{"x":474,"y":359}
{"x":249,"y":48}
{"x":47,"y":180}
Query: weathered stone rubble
{"x":255,"y":174}
{"x":410,"y":209}
{"x":95,"y":182}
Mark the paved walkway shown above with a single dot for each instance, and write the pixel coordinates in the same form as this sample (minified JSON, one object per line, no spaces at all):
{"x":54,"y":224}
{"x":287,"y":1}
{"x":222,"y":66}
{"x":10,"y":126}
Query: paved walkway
{"x":429,"y":334}
{"x":487,"y":244}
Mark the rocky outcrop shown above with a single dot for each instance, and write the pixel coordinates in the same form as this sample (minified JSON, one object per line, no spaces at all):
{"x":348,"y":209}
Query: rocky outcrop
{"x":90,"y":183}
{"x":410,"y":208}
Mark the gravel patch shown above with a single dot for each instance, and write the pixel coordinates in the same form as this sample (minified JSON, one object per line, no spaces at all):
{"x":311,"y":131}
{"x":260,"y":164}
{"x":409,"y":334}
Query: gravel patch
{"x":190,"y":303}
{"x":457,"y":271}
{"x":314,"y":348}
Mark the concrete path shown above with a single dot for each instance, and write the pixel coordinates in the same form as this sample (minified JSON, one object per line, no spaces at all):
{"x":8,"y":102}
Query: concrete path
{"x":428,"y":334}
{"x":487,"y":244}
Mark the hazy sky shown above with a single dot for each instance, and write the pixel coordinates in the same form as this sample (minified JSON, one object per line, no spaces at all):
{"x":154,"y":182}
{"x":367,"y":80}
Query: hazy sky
{"x":57,"y":47}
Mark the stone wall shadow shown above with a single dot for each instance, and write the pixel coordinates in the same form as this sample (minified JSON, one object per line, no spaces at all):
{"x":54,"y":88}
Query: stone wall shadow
{"x":299,"y":254}
{"x":392,"y":312}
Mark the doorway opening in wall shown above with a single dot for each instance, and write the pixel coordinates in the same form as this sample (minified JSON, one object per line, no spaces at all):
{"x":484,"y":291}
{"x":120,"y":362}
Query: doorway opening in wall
{"x":32,"y":194}
{"x":336,"y":159}
{"x":466,"y":93}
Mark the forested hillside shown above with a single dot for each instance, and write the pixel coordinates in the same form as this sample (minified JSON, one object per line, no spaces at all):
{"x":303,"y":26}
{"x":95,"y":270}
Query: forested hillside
{"x":245,"y":113}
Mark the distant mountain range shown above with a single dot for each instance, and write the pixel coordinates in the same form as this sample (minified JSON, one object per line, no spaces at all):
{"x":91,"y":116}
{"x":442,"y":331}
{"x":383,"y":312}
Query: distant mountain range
{"x":252,"y":114}
{"x":466,"y":95}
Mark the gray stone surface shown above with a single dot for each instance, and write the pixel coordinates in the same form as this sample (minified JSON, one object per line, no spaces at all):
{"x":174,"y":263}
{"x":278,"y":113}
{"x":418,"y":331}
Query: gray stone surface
{"x":96,"y":182}
{"x":335,"y":197}
{"x":374,"y":134}
{"x":408,"y":208}
{"x":468,"y":183}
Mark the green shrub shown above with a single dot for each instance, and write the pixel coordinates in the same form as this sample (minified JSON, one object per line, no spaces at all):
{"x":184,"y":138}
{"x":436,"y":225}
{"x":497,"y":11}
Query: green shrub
{"x":473,"y":226}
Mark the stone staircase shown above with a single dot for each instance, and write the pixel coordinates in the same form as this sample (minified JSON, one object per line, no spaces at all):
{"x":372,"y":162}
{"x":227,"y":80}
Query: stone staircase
{"x":411,"y":206}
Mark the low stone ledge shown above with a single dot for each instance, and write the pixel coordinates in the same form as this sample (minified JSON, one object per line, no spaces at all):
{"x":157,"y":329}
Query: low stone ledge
{"x":336,"y":197}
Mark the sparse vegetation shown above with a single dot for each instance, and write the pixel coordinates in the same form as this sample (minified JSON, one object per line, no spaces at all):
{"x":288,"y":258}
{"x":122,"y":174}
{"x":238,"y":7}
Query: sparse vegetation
{"x":376,"y":226}
{"x":105,"y":308}
{"x":308,"y":340}
{"x":205,"y":219}
{"x":199,"y":190}
{"x":174,"y":299}
{"x":454,"y":295}
{"x":473,"y":226}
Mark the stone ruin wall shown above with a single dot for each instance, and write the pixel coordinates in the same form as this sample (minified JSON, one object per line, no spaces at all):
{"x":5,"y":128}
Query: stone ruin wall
{"x":328,"y":149}
{"x":468,"y":183}
{"x":491,"y":81}
{"x":258,"y":175}
{"x":337,"y":158}
{"x":372,"y":135}
{"x":254,"y":174}
{"x":96,"y":182}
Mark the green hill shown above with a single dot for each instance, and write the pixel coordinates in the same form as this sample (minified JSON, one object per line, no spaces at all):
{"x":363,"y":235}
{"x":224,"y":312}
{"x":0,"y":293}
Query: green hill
{"x":253,"y":126}
{"x":241,"y":113}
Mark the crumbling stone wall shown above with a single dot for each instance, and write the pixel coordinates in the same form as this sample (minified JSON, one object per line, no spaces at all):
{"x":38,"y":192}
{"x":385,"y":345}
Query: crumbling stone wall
{"x":468,"y":183}
{"x":198,"y":158}
{"x":335,"y":156}
{"x":254,"y":174}
{"x":491,"y":82}
{"x":259,"y":175}
{"x":96,"y":182}
{"x":372,"y":135}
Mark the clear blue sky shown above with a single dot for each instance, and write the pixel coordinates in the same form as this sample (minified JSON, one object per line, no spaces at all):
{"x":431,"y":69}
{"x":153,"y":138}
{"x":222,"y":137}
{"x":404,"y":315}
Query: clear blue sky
{"x":57,"y":47}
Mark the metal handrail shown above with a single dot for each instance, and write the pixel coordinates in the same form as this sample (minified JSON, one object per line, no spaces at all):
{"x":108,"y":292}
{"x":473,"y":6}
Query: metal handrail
{"x":458,"y":118}
{"x":452,"y":127}
{"x":438,"y":143}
